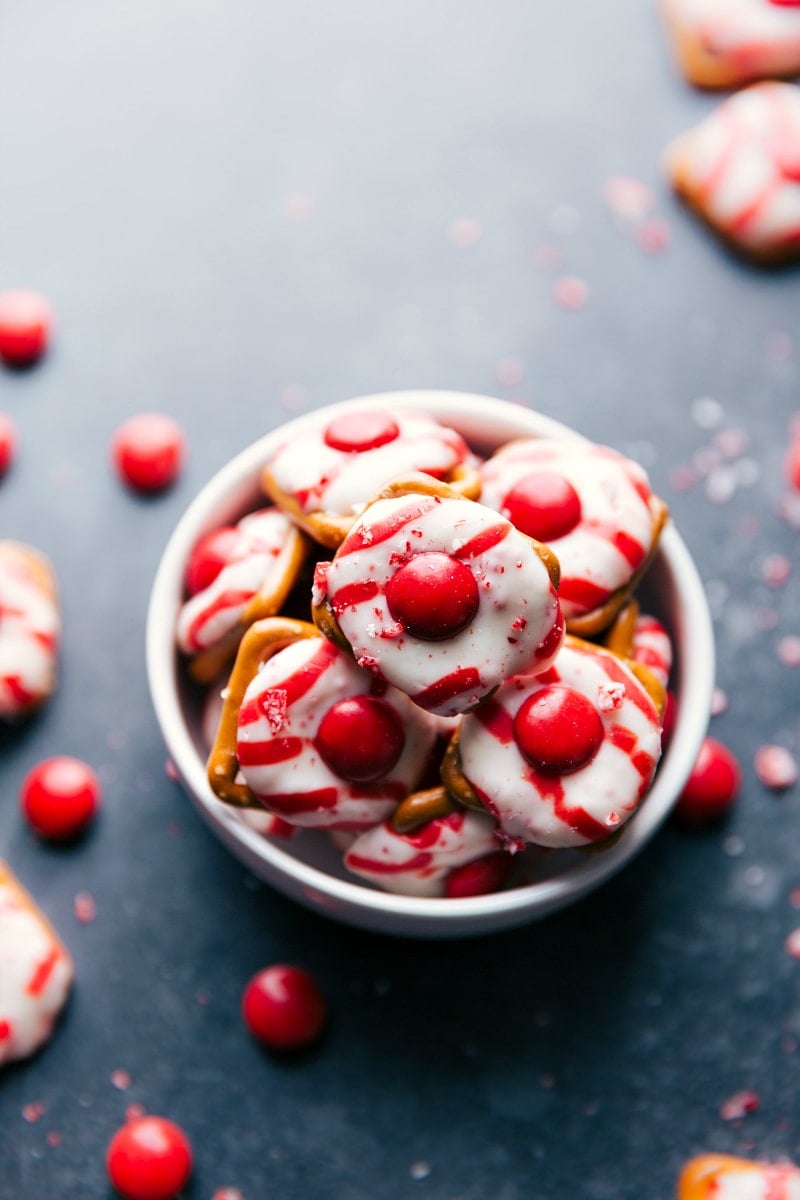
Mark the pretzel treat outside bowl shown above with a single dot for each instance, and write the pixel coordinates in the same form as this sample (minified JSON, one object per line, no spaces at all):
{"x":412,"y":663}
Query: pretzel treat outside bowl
{"x":30,"y":629}
{"x":475,"y":897}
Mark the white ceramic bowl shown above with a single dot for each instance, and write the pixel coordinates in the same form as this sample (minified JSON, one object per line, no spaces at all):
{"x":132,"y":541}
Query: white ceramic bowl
{"x":306,"y":867}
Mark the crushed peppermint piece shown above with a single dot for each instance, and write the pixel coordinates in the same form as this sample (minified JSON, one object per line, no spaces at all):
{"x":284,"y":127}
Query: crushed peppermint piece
{"x":654,"y":235}
{"x":228,"y":1193}
{"x":719,"y":702}
{"x":570,"y":293}
{"x":465,"y":232}
{"x":293,"y":398}
{"x":788,"y":650}
{"x":792,"y":943}
{"x":420,"y":1170}
{"x":629,"y":198}
{"x":509,"y":372}
{"x":794,"y":897}
{"x":33,"y":1112}
{"x":273,"y":704}
{"x":171,"y":771}
{"x":610,"y":696}
{"x":739,"y":1105}
{"x":121,"y":1080}
{"x":85,"y":908}
{"x":775,"y":767}
{"x":707,"y":413}
{"x":776,"y":570}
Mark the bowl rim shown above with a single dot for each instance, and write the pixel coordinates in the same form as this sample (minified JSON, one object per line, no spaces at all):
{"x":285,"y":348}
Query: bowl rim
{"x":357,"y":902}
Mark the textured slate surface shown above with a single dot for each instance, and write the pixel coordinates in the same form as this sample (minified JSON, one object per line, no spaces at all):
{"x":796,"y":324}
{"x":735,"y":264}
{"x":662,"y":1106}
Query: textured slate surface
{"x":243,"y":210}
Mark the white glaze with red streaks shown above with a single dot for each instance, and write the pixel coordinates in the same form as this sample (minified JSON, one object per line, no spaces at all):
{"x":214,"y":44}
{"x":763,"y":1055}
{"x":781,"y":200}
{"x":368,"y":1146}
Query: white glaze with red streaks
{"x":322,"y":478}
{"x":35,"y":973}
{"x":30,"y":629}
{"x":517,"y":626}
{"x":583,"y":806}
{"x":207,"y":617}
{"x":740,"y":167}
{"x":728,"y":1177}
{"x":652,"y":646}
{"x":418,"y":863}
{"x":614,"y":533}
{"x":745,"y":40}
{"x":279,"y":719}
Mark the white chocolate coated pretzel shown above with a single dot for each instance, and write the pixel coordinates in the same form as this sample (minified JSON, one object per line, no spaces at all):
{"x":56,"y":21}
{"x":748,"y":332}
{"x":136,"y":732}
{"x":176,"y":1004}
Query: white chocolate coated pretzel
{"x":30,"y":628}
{"x":516,"y":623}
{"x":727,"y":43}
{"x":739,"y":169}
{"x":36,"y":972}
{"x":605,"y":782}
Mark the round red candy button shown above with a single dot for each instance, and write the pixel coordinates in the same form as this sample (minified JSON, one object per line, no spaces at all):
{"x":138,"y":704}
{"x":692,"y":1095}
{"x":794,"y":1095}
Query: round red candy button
{"x":543,"y":505}
{"x":25,"y":325}
{"x":284,"y":1008}
{"x":712,"y":786}
{"x":149,"y":1158}
{"x":8,"y":443}
{"x":360,"y":738}
{"x":147,"y":451}
{"x":356,"y":432}
{"x":59,"y":797}
{"x":558,"y":730}
{"x":433,"y":595}
{"x":210,"y":555}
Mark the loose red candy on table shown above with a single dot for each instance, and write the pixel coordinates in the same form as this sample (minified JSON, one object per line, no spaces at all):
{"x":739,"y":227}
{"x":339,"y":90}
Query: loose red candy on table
{"x":433,"y":595}
{"x":284,"y":1008}
{"x":210,"y":555}
{"x":149,"y":1158}
{"x":25,"y":326}
{"x":59,"y":797}
{"x":8,"y":443}
{"x":360,"y":738}
{"x":148,"y":451}
{"x":479,"y":878}
{"x":712,"y":787}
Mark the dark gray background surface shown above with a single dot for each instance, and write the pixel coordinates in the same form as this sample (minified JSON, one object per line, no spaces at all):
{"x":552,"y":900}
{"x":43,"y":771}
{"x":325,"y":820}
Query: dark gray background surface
{"x":242,"y":210}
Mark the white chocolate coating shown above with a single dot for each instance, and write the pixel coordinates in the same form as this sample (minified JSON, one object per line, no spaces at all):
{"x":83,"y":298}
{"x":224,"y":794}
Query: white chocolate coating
{"x":209,"y":616}
{"x":418,"y":863}
{"x":278,"y":720}
{"x":323,"y":479}
{"x":590,"y":803}
{"x":740,"y":168}
{"x":737,"y":41}
{"x":615,"y":531}
{"x":517,"y":626}
{"x":36,"y":973}
{"x":725,"y":1177}
{"x":30,"y":629}
{"x":652,"y":647}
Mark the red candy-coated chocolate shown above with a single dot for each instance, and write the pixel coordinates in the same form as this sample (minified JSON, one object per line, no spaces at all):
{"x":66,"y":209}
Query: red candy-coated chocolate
{"x":25,"y":325}
{"x":356,"y":432}
{"x":8,"y":443}
{"x":786,"y":3}
{"x":433,"y":595}
{"x":149,"y":1158}
{"x":479,"y":878}
{"x":210,"y":555}
{"x":558,"y":730}
{"x":712,"y":786}
{"x":284,"y":1008}
{"x":59,"y":797}
{"x":148,"y":450}
{"x":543,"y":505}
{"x":360,"y":738}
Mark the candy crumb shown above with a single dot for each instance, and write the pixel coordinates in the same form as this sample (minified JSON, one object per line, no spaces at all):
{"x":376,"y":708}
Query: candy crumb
{"x":775,"y":767}
{"x":739,"y":1105}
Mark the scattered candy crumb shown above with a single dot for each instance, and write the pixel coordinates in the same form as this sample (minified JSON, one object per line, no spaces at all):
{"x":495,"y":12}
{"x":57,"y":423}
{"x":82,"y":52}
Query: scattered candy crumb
{"x":739,"y":1105}
{"x":26,"y":323}
{"x":8,"y":443}
{"x":776,"y":767}
{"x":85,"y":908}
{"x":571,"y":293}
{"x":792,"y":944}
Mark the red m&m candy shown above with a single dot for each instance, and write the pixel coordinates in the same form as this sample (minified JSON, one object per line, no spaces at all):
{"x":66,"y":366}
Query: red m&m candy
{"x":284,"y":1008}
{"x":149,"y":1158}
{"x":148,"y":451}
{"x":558,"y":730}
{"x":433,"y":595}
{"x":356,"y":432}
{"x":25,"y":326}
{"x":360,"y":738}
{"x":8,"y":443}
{"x":543,"y":505}
{"x":712,"y":786}
{"x":59,"y":797}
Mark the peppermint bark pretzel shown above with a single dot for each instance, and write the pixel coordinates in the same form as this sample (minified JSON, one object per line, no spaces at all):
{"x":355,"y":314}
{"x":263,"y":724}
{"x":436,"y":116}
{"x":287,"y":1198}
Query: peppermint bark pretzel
{"x":593,"y":507}
{"x":439,"y":596}
{"x":739,"y":171}
{"x":729,"y":1177}
{"x":30,"y":629}
{"x":309,"y":736}
{"x":727,"y":43}
{"x":253,"y":567}
{"x":36,"y":971}
{"x":324,"y":479}
{"x":642,"y":640}
{"x":561,"y":759}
